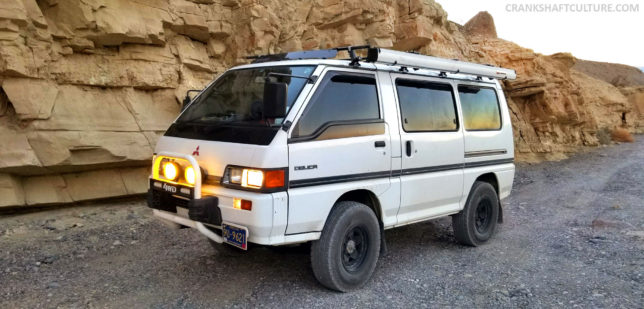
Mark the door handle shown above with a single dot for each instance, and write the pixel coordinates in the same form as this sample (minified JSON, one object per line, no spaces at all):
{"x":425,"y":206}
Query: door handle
{"x":408,"y":148}
{"x":379,"y":144}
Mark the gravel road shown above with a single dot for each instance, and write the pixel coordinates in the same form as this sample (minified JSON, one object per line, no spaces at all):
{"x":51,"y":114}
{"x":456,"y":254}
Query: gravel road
{"x":573,"y":237}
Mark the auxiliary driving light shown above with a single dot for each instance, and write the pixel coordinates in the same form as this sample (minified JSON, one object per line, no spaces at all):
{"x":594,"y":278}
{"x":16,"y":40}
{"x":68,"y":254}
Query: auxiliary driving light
{"x":190,"y":175}
{"x":170,"y":170}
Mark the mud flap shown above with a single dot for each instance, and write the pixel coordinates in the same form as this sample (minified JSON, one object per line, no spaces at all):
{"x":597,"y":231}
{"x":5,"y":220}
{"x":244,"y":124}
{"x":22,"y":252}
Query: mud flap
{"x":500,"y":220}
{"x":383,"y":242}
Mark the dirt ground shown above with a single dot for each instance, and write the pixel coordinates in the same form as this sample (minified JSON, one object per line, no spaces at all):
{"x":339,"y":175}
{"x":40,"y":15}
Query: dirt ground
{"x":573,"y":237}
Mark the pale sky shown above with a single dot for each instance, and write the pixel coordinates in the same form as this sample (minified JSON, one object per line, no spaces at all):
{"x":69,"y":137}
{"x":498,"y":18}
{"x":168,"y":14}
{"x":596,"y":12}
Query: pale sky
{"x":600,"y":36}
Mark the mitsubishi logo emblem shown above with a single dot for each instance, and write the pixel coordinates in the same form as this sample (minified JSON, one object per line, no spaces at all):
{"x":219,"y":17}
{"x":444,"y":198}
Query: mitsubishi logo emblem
{"x":196,"y":152}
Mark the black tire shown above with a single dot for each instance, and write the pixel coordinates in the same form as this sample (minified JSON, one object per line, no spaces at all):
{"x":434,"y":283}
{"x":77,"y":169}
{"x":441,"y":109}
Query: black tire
{"x":345,"y":256}
{"x":476,"y":224}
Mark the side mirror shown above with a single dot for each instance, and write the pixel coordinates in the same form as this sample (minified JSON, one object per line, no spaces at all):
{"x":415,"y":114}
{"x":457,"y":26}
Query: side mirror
{"x":187,"y":99}
{"x":275,"y":95}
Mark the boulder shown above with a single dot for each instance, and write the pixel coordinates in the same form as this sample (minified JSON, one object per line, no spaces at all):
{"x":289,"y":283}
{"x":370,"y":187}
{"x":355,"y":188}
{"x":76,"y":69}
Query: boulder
{"x":482,"y":24}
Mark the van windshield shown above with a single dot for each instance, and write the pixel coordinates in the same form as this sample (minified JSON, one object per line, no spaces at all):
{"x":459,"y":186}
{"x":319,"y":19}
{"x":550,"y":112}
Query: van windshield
{"x":230,"y":110}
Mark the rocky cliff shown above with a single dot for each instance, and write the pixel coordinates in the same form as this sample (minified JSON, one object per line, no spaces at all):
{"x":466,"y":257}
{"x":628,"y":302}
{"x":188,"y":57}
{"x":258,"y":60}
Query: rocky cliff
{"x":87,"y":86}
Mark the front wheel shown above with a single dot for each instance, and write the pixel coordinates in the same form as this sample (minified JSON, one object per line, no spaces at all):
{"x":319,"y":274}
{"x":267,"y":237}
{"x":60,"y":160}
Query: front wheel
{"x":477,"y":222}
{"x":345,"y":256}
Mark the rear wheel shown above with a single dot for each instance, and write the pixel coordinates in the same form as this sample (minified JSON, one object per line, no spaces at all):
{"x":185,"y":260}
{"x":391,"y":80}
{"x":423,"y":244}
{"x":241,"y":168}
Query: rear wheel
{"x":346,"y":254}
{"x":477,"y":222}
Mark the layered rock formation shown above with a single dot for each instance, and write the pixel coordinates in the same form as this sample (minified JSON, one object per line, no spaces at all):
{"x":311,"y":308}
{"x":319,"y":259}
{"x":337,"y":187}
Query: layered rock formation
{"x":88,"y":86}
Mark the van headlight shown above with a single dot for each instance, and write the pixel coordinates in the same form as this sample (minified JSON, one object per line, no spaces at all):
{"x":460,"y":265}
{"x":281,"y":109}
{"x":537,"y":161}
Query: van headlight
{"x":268,"y":180}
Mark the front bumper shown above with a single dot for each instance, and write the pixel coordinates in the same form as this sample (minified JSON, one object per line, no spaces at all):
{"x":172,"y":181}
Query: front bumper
{"x":216,"y":206}
{"x":200,"y":212}
{"x":266,"y":221}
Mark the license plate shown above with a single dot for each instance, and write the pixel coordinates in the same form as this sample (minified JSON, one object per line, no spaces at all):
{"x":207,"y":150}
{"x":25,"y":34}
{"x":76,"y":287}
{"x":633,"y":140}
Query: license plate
{"x":235,"y":235}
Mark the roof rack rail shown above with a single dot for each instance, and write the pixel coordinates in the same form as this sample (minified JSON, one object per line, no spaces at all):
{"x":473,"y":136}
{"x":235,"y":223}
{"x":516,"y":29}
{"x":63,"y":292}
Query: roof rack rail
{"x":312,"y":54}
{"x":404,"y":59}
{"x":414,"y":60}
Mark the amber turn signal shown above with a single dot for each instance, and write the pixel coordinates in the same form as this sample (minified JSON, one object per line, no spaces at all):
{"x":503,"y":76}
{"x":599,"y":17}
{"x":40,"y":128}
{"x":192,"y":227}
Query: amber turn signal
{"x":274,"y":179}
{"x":242,"y":204}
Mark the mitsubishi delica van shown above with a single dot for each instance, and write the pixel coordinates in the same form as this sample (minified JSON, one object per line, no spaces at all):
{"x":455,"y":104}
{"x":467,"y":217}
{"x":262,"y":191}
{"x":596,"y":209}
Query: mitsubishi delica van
{"x":305,"y":147}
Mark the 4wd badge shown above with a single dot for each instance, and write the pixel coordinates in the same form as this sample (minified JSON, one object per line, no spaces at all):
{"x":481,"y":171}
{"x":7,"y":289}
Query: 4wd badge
{"x":171,"y":189}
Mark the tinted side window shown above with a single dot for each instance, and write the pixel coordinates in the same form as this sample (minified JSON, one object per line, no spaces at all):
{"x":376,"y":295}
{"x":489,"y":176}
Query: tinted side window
{"x":340,"y":97}
{"x":426,"y":106}
{"x":480,"y":108}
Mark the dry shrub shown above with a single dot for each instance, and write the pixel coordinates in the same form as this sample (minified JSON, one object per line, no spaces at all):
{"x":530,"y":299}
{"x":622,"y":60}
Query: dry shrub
{"x":622,"y":135}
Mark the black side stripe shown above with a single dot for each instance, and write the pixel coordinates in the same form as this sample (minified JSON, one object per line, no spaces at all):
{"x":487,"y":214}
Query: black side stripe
{"x":412,"y":171}
{"x":431,"y":169}
{"x":336,"y":179}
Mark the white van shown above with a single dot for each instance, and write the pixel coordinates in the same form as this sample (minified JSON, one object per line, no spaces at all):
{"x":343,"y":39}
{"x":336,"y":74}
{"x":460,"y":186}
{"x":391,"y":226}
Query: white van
{"x":301,"y":147}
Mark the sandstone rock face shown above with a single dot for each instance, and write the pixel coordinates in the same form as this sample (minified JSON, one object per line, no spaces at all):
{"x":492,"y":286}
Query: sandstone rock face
{"x":616,"y":74}
{"x":87,"y":87}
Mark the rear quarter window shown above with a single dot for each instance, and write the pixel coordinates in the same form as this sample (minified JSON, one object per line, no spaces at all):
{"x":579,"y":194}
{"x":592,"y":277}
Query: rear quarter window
{"x":480,"y":108}
{"x":426,"y":106}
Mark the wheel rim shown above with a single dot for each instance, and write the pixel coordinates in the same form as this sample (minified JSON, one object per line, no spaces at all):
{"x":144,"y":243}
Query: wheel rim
{"x":354,"y":248}
{"x":483,"y":216}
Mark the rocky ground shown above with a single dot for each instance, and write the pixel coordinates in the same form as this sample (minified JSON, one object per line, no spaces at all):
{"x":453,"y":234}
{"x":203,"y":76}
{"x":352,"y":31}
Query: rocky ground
{"x":573,"y":237}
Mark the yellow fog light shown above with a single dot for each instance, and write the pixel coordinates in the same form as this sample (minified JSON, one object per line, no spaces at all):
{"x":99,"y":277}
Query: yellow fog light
{"x":170,"y":170}
{"x":252,"y":178}
{"x":191,"y":176}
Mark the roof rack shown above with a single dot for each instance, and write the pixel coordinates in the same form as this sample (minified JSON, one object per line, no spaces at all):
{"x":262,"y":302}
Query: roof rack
{"x":393,"y":57}
{"x":312,"y":54}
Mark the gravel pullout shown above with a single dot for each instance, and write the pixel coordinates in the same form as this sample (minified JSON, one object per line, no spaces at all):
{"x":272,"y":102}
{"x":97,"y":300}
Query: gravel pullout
{"x":573,"y":236}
